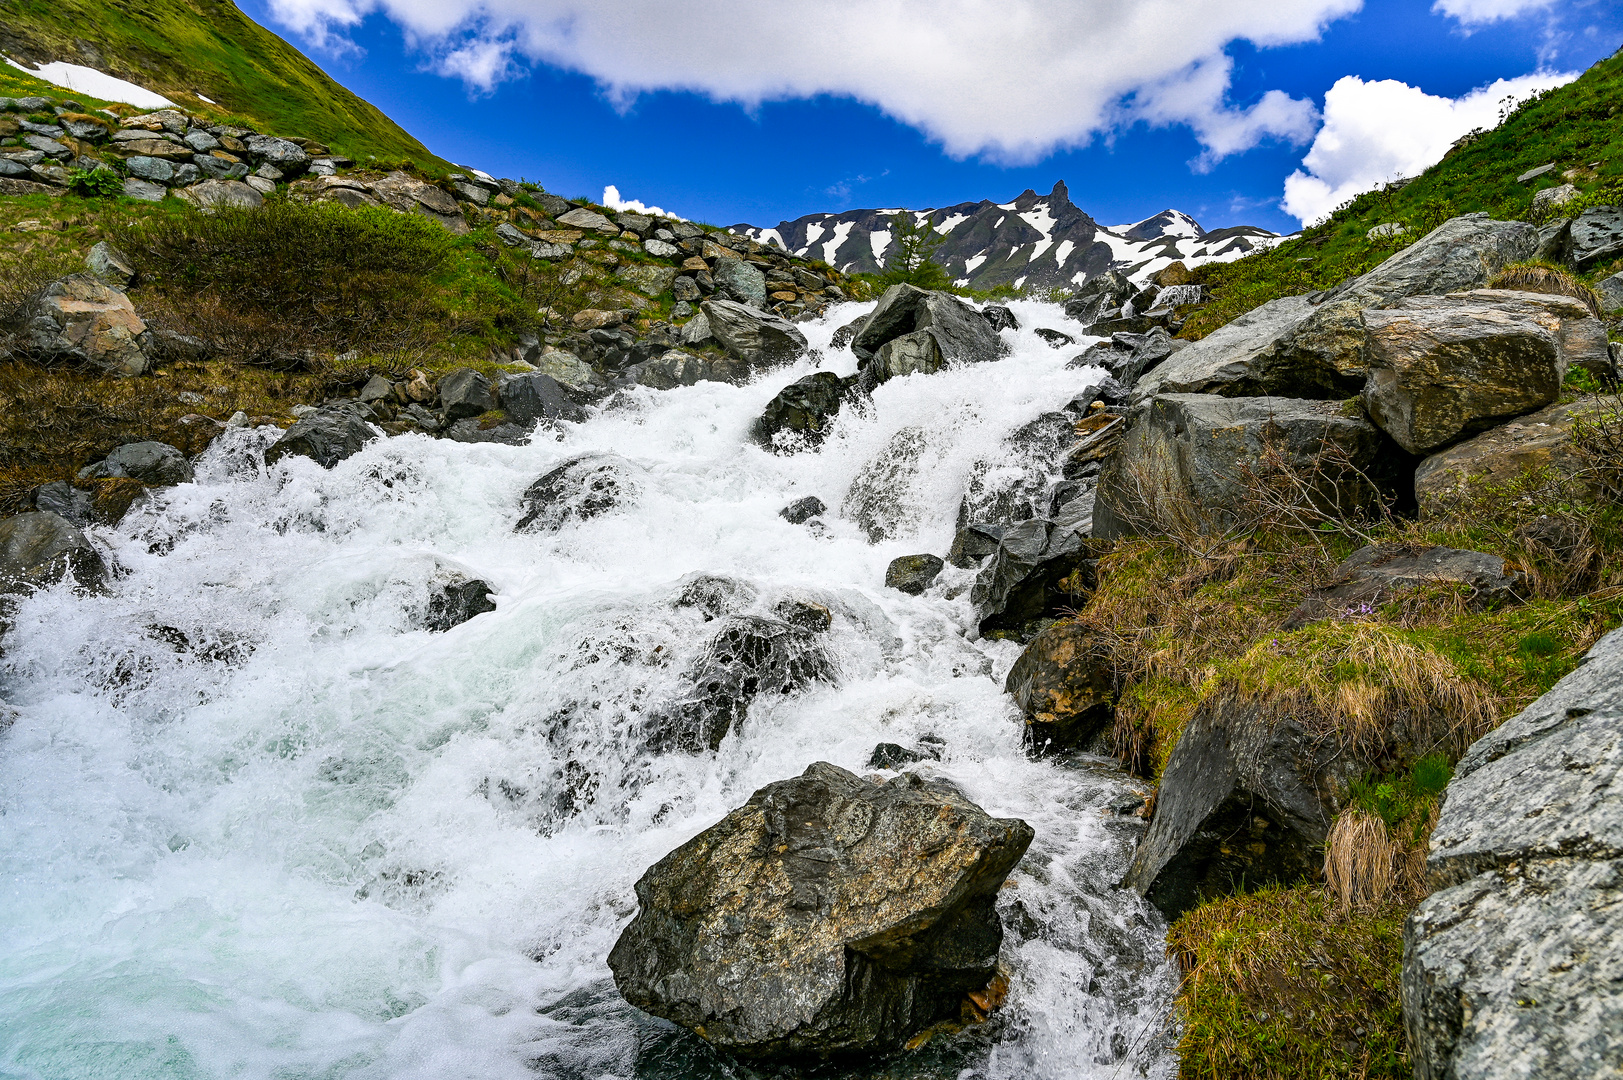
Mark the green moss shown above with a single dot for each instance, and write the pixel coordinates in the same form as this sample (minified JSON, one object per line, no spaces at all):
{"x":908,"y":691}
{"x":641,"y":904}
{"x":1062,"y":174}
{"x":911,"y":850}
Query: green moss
{"x":186,"y":48}
{"x":1278,"y":985}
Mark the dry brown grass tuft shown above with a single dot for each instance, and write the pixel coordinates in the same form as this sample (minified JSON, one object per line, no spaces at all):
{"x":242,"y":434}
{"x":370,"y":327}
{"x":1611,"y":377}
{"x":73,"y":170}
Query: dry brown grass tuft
{"x":1540,"y":277}
{"x":1360,"y":862}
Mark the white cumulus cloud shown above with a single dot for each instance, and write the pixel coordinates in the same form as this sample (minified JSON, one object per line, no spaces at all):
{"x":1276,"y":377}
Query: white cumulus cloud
{"x":1379,"y":131}
{"x":1479,"y":12}
{"x":1010,"y":79}
{"x":612,"y":200}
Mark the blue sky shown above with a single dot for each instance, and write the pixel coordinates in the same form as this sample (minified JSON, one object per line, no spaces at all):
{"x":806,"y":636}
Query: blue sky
{"x":724,"y":114}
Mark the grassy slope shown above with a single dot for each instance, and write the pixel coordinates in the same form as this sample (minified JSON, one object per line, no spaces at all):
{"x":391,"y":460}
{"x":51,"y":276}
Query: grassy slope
{"x":182,"y":48}
{"x":1573,"y":126}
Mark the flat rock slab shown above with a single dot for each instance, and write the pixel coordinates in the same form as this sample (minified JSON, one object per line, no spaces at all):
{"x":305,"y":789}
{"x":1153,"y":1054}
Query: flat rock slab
{"x":753,"y":336}
{"x":1514,"y":968}
{"x":1376,"y":574}
{"x":828,"y":914}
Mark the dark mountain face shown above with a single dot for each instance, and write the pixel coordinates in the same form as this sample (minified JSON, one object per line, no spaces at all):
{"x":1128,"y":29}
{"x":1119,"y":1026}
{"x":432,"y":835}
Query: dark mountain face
{"x":1044,"y":241}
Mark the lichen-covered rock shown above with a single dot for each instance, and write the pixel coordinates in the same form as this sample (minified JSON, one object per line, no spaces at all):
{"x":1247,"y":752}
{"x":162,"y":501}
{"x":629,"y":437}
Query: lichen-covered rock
{"x":39,"y":549}
{"x":1539,"y":443}
{"x":326,"y":436}
{"x":1312,"y":346}
{"x":1062,"y":684}
{"x":81,"y":319}
{"x":1443,"y":368}
{"x":1595,"y":237}
{"x":1513,"y":967}
{"x":827,"y":915}
{"x":1189,"y":460}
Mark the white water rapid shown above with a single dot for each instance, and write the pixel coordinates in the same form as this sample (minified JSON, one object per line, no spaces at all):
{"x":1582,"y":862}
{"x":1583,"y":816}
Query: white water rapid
{"x":320,"y":841}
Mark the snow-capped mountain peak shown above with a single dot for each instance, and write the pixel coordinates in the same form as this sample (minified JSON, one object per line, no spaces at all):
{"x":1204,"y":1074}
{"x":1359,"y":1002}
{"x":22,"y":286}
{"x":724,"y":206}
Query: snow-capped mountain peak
{"x":1035,"y":240}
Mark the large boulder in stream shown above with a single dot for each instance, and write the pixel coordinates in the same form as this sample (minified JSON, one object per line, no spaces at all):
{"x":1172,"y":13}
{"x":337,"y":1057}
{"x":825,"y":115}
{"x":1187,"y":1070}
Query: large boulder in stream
{"x":1037,"y":569}
{"x":1063,"y":686}
{"x":326,"y":436}
{"x":39,"y":549}
{"x":802,"y":411}
{"x":753,"y":336}
{"x":1514,"y":966}
{"x":1313,"y":346}
{"x":828,"y":915}
{"x":923,"y":331}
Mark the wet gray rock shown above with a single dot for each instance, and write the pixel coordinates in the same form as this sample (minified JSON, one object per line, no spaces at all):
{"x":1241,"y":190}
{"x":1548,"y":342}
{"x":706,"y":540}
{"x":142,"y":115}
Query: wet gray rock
{"x":803,"y":510}
{"x":999,"y":317}
{"x":974,"y":542}
{"x":470,"y":430}
{"x":915,"y":353}
{"x":803,"y":411}
{"x":1594,"y":237}
{"x":464,"y":393}
{"x":846,"y":334}
{"x":155,"y":464}
{"x":750,"y":655}
{"x":1064,"y":687}
{"x":1020,"y":584}
{"x":1056,"y":339}
{"x":535,"y":397}
{"x":578,"y":490}
{"x":1188,"y":460}
{"x":912,"y":574}
{"x":66,"y":501}
{"x":1245,"y":799}
{"x":752,"y":336}
{"x":1013,"y":484}
{"x":456,"y":598}
{"x":1129,"y":357}
{"x":894,"y":756}
{"x":1100,"y":297}
{"x":1511,"y":968}
{"x":828,"y":915}
{"x":958,"y":332}
{"x":1446,"y":367}
{"x":39,"y":549}
{"x":326,"y":436}
{"x":1376,"y":574}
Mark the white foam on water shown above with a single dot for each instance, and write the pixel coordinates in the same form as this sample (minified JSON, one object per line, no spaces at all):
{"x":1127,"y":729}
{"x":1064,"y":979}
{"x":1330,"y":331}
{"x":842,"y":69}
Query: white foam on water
{"x":321,"y":841}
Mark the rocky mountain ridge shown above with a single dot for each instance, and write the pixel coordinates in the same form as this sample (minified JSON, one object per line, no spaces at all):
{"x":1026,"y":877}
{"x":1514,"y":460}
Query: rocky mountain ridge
{"x":1034,"y":241}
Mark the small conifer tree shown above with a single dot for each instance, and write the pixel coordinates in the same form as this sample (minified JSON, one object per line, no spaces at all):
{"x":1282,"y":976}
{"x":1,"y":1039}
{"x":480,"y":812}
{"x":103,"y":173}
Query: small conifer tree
{"x":911,"y":258}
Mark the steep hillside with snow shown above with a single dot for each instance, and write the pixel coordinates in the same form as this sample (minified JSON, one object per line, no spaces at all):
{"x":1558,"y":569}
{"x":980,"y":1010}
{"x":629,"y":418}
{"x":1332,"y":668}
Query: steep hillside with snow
{"x":1036,"y":240}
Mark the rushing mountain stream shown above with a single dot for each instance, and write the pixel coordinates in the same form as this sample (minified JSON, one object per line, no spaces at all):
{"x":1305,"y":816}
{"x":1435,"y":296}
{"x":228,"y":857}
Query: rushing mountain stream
{"x":257,"y":820}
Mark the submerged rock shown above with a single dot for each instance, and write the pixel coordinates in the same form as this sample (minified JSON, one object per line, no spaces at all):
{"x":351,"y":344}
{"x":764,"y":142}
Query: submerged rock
{"x":827,"y":915}
{"x":749,"y":656}
{"x":455,"y":600}
{"x":578,"y":490}
{"x":803,"y":510}
{"x":1511,"y":968}
{"x":39,"y":549}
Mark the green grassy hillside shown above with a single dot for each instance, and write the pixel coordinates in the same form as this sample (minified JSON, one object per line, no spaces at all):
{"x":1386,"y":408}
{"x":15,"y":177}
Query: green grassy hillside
{"x":183,"y":48}
{"x":1578,"y":128}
